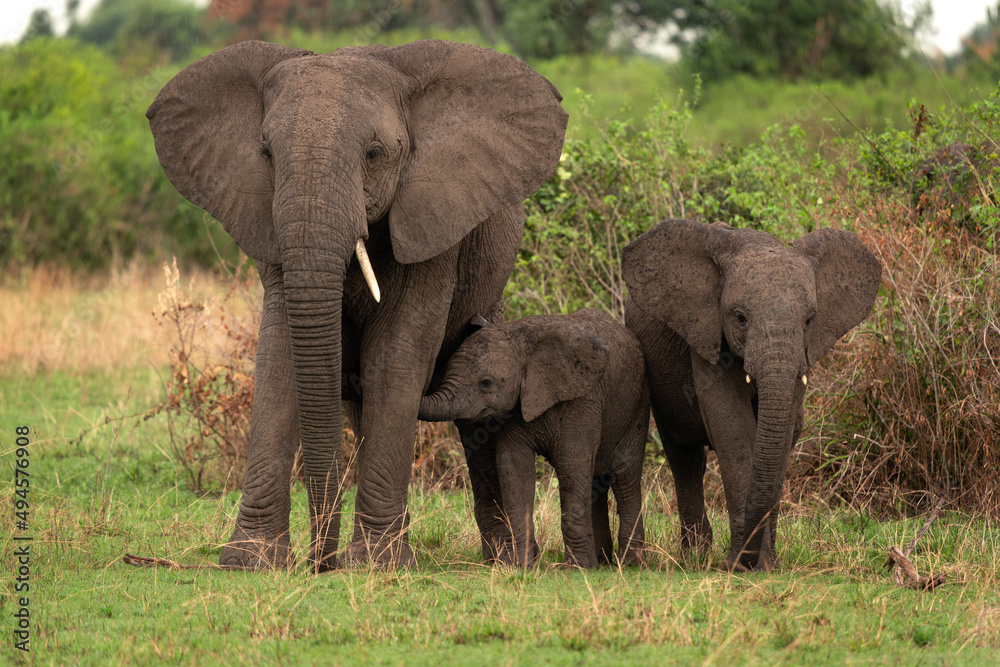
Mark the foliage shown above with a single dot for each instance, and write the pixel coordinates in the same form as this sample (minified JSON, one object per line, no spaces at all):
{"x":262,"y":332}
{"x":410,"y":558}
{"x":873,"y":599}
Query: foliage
{"x":40,"y":25}
{"x":79,"y":181}
{"x":794,"y":38}
{"x":981,"y":47}
{"x":80,"y":185}
{"x":609,"y":190}
{"x":533,"y":28}
{"x":209,"y":392}
{"x":913,"y":404}
{"x":162,"y":29}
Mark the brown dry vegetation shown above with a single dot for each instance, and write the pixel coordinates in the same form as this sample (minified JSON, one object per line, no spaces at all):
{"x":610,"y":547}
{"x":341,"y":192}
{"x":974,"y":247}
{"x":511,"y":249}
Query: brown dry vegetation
{"x":907,"y":409}
{"x":52,"y":319}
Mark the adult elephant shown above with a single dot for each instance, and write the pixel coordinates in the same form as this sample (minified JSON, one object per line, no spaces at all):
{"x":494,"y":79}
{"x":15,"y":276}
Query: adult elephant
{"x":730,"y":321}
{"x":405,"y":165}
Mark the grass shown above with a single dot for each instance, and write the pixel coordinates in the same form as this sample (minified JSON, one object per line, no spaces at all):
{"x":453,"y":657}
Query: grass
{"x":103,"y":484}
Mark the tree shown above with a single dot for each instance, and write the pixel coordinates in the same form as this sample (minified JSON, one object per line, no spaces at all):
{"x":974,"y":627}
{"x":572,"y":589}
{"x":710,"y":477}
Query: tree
{"x":40,"y":25}
{"x":170,"y":27}
{"x":533,"y":28}
{"x":794,"y":38}
{"x":981,"y":47}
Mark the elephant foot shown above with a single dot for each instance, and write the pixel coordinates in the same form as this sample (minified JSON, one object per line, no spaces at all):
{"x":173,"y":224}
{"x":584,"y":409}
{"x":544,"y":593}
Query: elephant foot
{"x":634,"y":556}
{"x":389,"y":551}
{"x":697,"y":539}
{"x":571,"y":563}
{"x":257,"y":552}
{"x":506,"y":553}
{"x":767,"y":563}
{"x":583,"y":559}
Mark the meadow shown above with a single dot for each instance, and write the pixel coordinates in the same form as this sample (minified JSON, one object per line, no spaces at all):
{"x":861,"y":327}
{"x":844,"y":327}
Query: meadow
{"x":131,"y":371}
{"x":104,"y":483}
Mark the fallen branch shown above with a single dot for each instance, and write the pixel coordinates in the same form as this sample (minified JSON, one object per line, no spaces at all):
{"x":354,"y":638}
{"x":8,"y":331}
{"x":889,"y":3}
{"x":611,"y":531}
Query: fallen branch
{"x":903,"y":571}
{"x":152,"y":561}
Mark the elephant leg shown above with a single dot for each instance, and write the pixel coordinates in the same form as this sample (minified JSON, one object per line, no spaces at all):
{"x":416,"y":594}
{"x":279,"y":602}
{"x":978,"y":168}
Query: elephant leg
{"x":577,"y":524}
{"x":603,"y":542}
{"x":399,"y":345}
{"x":573,"y":457}
{"x":686,"y":455}
{"x":383,"y":463}
{"x":260,"y":539}
{"x":480,"y":444}
{"x":726,"y":408}
{"x":516,"y":467}
{"x":627,"y":485}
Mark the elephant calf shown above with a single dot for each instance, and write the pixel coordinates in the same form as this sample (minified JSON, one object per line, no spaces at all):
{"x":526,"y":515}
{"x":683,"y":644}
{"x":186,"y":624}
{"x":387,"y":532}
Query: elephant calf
{"x":730,"y":321}
{"x":584,"y":405}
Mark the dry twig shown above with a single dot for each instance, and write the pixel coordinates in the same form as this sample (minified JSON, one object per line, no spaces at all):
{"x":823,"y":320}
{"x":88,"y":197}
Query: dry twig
{"x":903,"y":571}
{"x":152,"y":561}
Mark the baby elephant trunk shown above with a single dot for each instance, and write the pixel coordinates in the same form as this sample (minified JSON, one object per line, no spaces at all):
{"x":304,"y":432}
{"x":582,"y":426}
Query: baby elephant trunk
{"x":441,"y":406}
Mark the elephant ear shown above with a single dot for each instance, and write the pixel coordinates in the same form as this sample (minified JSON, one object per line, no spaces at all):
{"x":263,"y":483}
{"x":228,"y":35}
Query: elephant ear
{"x":672,"y":275}
{"x":847,"y":281}
{"x":206,"y":125}
{"x":486,"y":131}
{"x":564,"y":363}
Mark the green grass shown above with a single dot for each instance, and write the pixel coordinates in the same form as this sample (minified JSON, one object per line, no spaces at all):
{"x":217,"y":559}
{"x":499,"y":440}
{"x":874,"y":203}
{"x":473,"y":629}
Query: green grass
{"x":115,"y":490}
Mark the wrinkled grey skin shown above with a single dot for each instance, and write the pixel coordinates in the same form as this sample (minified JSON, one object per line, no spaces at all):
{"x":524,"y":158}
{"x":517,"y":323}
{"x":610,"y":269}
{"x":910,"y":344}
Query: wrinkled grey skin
{"x":573,"y":389}
{"x":425,"y":151}
{"x":712,"y":306}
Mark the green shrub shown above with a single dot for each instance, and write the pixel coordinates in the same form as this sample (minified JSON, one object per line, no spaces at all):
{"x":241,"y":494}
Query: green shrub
{"x":609,"y":190}
{"x":79,"y":180}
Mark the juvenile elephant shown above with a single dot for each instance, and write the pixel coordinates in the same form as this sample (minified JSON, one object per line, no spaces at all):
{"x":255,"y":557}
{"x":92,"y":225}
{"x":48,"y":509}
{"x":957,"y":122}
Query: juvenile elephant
{"x":579,"y":383}
{"x":730,"y":321}
{"x":403,"y":168}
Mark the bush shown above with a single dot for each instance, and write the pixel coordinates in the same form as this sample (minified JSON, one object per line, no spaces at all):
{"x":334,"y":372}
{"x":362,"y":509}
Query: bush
{"x":609,"y":190}
{"x":80,"y":184}
{"x":209,"y":392}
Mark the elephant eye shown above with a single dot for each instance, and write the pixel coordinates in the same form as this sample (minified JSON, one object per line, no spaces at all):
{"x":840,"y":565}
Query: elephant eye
{"x":265,"y":150}
{"x":486,"y":384}
{"x":375,"y":152}
{"x":809,"y":320}
{"x":741,"y":318}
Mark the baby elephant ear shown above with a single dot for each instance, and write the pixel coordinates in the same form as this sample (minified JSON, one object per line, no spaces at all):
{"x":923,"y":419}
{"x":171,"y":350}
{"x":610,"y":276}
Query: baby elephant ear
{"x":486,"y":131}
{"x":847,"y":281}
{"x":672,"y":275}
{"x":565,"y":362}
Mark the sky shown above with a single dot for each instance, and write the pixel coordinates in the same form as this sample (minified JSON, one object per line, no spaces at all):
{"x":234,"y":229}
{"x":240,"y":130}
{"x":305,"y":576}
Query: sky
{"x":952,"y":18}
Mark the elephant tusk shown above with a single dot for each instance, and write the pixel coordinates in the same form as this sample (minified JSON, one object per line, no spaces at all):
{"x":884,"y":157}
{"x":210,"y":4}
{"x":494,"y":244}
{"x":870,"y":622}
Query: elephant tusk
{"x":805,"y":381}
{"x":748,"y":378}
{"x":366,"y":269}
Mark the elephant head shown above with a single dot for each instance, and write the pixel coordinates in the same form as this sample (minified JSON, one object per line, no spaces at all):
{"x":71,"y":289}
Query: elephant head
{"x":297,"y":153}
{"x":779,"y":308}
{"x":538,"y":361}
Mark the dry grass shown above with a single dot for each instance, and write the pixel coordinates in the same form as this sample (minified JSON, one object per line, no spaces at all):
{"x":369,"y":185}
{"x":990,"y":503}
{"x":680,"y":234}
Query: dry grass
{"x":908,"y":408}
{"x":56,"y":320}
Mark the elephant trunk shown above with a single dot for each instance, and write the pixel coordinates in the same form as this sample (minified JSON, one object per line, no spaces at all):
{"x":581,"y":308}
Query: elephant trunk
{"x":318,"y":235}
{"x":442,"y":405}
{"x":776,"y":412}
